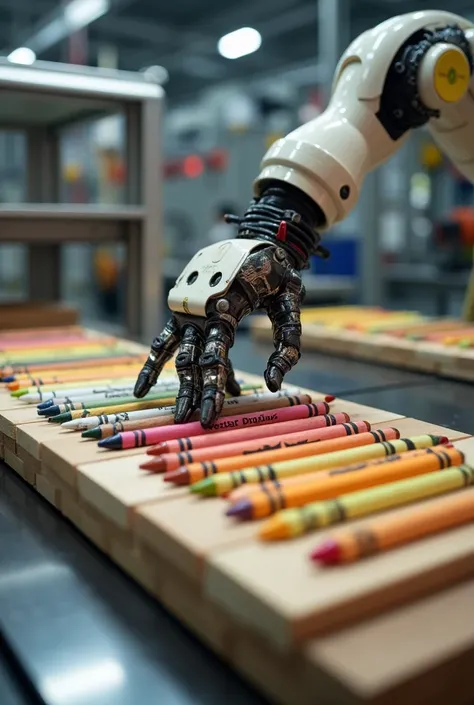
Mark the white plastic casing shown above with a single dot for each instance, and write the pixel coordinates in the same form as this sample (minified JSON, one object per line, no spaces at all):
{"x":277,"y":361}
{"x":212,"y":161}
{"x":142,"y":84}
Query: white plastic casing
{"x":224,"y":258}
{"x":347,"y":141}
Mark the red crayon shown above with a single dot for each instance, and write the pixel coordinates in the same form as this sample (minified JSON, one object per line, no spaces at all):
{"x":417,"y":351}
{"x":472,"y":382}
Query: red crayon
{"x":150,"y":436}
{"x":172,"y":461}
{"x":216,"y":439}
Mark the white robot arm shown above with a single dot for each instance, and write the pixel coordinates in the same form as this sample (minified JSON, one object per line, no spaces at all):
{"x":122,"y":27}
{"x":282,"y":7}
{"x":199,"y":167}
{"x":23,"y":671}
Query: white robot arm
{"x":412,"y":70}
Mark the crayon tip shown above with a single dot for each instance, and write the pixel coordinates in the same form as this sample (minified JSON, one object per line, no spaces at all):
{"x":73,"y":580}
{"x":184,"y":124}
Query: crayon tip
{"x":95,"y":433}
{"x":7,"y":379}
{"x":241,"y":509}
{"x":18,"y":392}
{"x":112,"y":442}
{"x":13,"y":386}
{"x":443,"y":440}
{"x":327,"y":553}
{"x":179,"y":476}
{"x":205,"y":487}
{"x":155,"y":450}
{"x":152,"y":466}
{"x":46,"y":404}
{"x":50,"y":411}
{"x":60,"y":418}
{"x":329,"y":397}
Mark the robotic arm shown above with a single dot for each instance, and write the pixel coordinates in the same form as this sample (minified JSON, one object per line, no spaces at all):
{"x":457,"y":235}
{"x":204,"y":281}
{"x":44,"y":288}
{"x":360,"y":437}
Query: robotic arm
{"x":409,"y":71}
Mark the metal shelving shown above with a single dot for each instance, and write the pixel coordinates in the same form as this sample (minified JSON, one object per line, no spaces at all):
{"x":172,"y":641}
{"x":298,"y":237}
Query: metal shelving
{"x":41,"y":100}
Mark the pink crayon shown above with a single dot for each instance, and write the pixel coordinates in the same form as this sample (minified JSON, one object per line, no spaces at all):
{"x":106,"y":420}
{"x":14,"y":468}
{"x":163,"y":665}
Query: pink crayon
{"x":249,"y":434}
{"x":150,"y":436}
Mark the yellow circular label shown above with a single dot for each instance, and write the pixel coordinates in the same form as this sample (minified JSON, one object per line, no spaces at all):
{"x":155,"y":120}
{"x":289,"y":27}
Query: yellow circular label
{"x":452,"y":75}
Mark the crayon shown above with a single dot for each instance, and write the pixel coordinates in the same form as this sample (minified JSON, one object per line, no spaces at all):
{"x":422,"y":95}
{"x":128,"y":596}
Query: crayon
{"x":249,"y":434}
{"x":102,"y":383}
{"x":289,"y":523}
{"x":150,"y":436}
{"x":31,"y":366}
{"x":105,"y":431}
{"x":159,"y":397}
{"x":93,"y":421}
{"x":100,"y":393}
{"x":79,"y":385}
{"x":69,"y":368}
{"x":40,"y":332}
{"x":226,"y":482}
{"x":397,"y":529}
{"x":195,"y":472}
{"x":339,"y":481}
{"x":22,"y":358}
{"x":172,"y":461}
{"x":74,"y":394}
{"x":57,"y":344}
{"x":134,"y":406}
{"x":57,"y":409}
{"x":245,"y":490}
{"x":42,"y":385}
{"x":57,"y":366}
{"x":83,"y":379}
{"x":415,"y":331}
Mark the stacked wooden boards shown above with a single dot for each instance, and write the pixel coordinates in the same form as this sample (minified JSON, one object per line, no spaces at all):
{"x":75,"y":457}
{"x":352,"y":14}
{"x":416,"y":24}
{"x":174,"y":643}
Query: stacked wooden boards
{"x":444,"y":347}
{"x":392,"y":629}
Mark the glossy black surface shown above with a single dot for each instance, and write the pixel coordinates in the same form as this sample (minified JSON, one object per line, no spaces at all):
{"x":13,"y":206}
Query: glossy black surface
{"x":82,"y":631}
{"x":324,"y":373}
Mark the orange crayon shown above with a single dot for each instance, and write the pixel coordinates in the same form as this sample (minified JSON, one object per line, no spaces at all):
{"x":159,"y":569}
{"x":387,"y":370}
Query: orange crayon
{"x":397,"y":529}
{"x":198,"y":471}
{"x":172,"y":461}
{"x":325,"y":485}
{"x":185,"y":443}
{"x":247,"y":489}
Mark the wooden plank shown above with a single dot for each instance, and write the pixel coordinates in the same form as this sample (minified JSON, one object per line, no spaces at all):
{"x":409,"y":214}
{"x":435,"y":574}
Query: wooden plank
{"x":276,"y":589}
{"x":419,"y":653}
{"x":415,"y":427}
{"x":116,"y":486}
{"x":187,"y":529}
{"x":32,"y":464}
{"x":65,"y":455}
{"x":10,"y":419}
{"x":47,"y":490}
{"x":359,"y":412}
{"x":32,"y":436}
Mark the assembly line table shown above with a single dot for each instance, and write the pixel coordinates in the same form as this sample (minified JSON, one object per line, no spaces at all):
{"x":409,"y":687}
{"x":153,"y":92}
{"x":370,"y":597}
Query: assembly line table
{"x":75,"y":629}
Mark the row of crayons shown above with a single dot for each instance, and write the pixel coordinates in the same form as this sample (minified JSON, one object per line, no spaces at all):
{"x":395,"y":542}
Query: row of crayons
{"x":400,"y":324}
{"x":315,"y":468}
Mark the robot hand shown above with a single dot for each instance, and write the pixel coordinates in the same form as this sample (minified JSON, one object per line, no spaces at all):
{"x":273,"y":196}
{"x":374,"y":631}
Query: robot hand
{"x":225,"y":282}
{"x":261,"y":277}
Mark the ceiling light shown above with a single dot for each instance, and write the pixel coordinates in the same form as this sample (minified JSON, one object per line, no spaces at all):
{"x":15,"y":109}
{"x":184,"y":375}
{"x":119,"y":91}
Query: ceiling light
{"x":22,"y":55}
{"x":239,"y":43}
{"x":80,"y":13}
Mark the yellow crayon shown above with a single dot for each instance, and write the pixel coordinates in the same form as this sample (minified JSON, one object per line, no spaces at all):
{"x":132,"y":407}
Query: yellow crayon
{"x":289,"y":523}
{"x":226,"y":482}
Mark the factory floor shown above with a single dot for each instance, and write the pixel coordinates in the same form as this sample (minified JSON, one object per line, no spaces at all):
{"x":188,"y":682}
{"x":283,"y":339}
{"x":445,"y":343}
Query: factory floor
{"x":75,"y":629}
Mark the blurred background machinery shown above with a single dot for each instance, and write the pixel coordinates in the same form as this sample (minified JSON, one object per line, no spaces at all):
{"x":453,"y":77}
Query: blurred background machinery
{"x":236,"y":77}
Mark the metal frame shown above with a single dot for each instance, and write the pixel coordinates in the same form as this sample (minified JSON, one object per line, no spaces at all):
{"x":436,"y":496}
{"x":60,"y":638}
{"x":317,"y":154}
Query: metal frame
{"x":45,"y":224}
